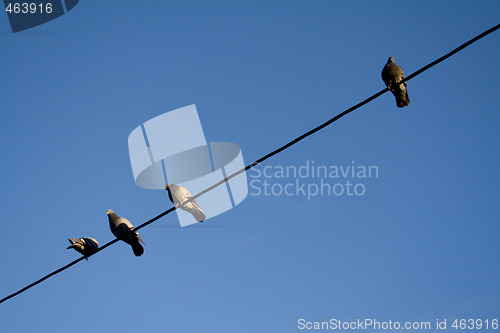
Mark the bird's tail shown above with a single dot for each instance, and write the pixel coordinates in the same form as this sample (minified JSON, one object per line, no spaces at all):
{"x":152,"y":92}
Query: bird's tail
{"x":401,"y":94}
{"x":74,"y":243}
{"x":199,"y":216}
{"x":137,"y":248}
{"x":197,"y":213}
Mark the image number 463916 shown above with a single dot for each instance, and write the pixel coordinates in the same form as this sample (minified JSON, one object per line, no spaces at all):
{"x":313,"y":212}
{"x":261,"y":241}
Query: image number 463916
{"x":28,"y":8}
{"x":28,"y":14}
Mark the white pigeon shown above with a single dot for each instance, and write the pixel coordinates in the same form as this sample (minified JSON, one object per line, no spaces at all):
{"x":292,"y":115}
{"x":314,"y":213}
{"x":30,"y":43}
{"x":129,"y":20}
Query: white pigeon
{"x":179,"y":195}
{"x":122,"y":229}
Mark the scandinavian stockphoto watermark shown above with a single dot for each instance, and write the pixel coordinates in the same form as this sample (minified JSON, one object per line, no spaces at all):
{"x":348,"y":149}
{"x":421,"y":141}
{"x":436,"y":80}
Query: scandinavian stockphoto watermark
{"x":311,"y":179}
{"x":172,"y":148}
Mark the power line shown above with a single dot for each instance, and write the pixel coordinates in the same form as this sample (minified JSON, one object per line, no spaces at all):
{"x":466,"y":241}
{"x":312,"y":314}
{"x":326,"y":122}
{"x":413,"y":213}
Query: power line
{"x":274,"y":152}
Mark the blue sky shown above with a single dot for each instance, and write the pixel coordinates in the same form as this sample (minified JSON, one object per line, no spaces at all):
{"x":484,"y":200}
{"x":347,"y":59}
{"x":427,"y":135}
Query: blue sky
{"x":420,"y":244}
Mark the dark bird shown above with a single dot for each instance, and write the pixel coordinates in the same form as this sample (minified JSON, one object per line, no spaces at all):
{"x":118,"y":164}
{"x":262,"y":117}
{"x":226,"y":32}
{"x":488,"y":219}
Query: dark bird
{"x":86,"y":246}
{"x":179,"y":195}
{"x":392,"y":74}
{"x":123,"y":230}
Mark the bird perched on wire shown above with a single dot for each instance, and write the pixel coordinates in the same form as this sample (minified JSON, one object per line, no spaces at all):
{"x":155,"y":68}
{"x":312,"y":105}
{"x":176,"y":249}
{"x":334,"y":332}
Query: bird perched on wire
{"x":86,"y":245}
{"x":123,"y":230}
{"x":179,"y":195}
{"x":392,"y":74}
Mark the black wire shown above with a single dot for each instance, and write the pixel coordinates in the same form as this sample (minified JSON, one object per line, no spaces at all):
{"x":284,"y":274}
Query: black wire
{"x":449,"y":54}
{"x":274,"y":152}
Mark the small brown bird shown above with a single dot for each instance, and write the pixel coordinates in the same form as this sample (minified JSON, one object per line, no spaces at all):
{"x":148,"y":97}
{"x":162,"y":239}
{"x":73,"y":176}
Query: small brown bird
{"x":86,"y":245}
{"x":392,"y":74}
{"x":178,"y":195}
{"x":122,"y":229}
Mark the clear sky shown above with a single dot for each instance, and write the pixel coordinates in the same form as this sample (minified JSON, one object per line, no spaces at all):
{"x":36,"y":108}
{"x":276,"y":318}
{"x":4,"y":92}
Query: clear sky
{"x":421,"y":243}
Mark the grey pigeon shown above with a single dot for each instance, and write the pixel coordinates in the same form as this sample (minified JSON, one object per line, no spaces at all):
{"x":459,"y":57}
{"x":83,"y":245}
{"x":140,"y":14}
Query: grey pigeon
{"x":178,"y":195}
{"x":392,"y":74}
{"x":86,"y":245}
{"x":122,"y":229}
